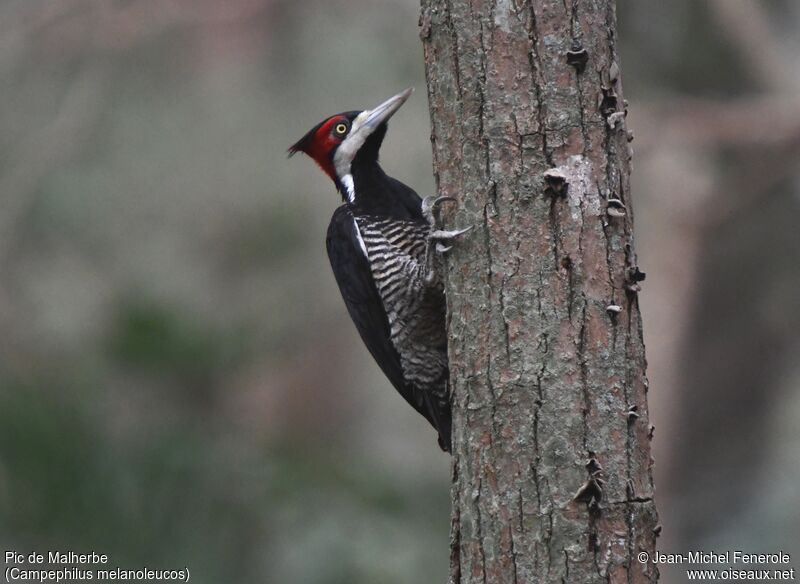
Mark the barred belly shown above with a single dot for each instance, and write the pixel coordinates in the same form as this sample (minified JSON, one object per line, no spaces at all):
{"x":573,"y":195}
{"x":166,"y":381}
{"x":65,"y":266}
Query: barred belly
{"x":416,"y":310}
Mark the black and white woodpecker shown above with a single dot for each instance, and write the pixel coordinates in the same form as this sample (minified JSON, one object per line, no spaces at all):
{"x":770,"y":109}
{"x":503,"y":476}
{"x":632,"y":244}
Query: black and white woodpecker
{"x":382,"y":245}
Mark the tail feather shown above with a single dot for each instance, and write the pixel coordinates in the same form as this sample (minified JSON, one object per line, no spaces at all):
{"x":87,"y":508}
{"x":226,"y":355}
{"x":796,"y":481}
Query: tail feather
{"x":441,"y":419}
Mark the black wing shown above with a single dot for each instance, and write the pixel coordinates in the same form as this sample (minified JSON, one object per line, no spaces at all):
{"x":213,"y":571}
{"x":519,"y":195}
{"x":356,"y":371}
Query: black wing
{"x":353,"y":274}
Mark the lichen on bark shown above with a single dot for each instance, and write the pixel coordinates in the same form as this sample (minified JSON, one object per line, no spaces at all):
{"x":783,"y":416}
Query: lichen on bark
{"x":551,"y":443}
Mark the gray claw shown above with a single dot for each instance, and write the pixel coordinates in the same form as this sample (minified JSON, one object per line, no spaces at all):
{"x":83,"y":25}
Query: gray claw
{"x":445,"y":235}
{"x":443,"y":199}
{"x":430,"y":204}
{"x":441,"y":248}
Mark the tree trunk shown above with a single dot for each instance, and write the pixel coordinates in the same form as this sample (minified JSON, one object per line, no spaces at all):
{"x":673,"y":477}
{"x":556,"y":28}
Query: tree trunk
{"x":551,"y":442}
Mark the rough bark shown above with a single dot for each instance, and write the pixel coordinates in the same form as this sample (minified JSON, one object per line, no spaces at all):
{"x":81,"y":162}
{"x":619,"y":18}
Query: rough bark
{"x":551,"y":462}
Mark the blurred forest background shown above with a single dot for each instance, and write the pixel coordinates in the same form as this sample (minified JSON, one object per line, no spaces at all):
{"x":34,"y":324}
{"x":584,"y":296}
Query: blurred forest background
{"x":180,"y":384}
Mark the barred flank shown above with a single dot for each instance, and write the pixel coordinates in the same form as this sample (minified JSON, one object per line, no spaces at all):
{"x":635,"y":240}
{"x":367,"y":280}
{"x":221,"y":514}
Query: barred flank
{"x":416,"y":311}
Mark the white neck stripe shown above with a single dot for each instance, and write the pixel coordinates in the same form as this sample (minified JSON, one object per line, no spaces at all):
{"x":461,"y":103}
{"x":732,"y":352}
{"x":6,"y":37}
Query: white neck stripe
{"x":350,"y":187}
{"x":360,"y":239}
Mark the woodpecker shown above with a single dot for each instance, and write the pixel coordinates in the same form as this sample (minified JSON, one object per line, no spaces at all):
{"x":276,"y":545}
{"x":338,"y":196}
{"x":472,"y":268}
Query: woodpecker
{"x":383,"y":244}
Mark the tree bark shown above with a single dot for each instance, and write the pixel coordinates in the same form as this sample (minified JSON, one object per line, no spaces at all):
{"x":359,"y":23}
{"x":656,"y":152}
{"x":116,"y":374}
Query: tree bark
{"x":551,"y":443}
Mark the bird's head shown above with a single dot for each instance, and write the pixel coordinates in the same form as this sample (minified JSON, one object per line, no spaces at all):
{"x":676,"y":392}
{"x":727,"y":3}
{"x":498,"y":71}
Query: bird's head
{"x":347,"y":139}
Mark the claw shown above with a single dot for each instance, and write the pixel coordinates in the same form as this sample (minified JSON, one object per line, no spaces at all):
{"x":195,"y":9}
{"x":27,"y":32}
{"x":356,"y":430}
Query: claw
{"x":441,"y":248}
{"x":430,"y":205}
{"x":444,"y":235}
{"x":431,"y":202}
{"x":443,"y":199}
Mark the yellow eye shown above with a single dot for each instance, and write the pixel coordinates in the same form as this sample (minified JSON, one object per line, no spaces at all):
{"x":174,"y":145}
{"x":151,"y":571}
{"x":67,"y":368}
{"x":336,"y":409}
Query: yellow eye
{"x":341,"y":129}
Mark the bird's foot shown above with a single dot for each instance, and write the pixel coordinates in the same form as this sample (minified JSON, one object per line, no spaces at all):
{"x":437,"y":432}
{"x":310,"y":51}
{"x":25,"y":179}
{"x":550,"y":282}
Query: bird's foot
{"x":437,"y":237}
{"x":430,"y":210}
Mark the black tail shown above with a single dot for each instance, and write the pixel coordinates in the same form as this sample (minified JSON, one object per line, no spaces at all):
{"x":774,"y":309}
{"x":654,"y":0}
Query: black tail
{"x":441,"y":419}
{"x":445,"y":440}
